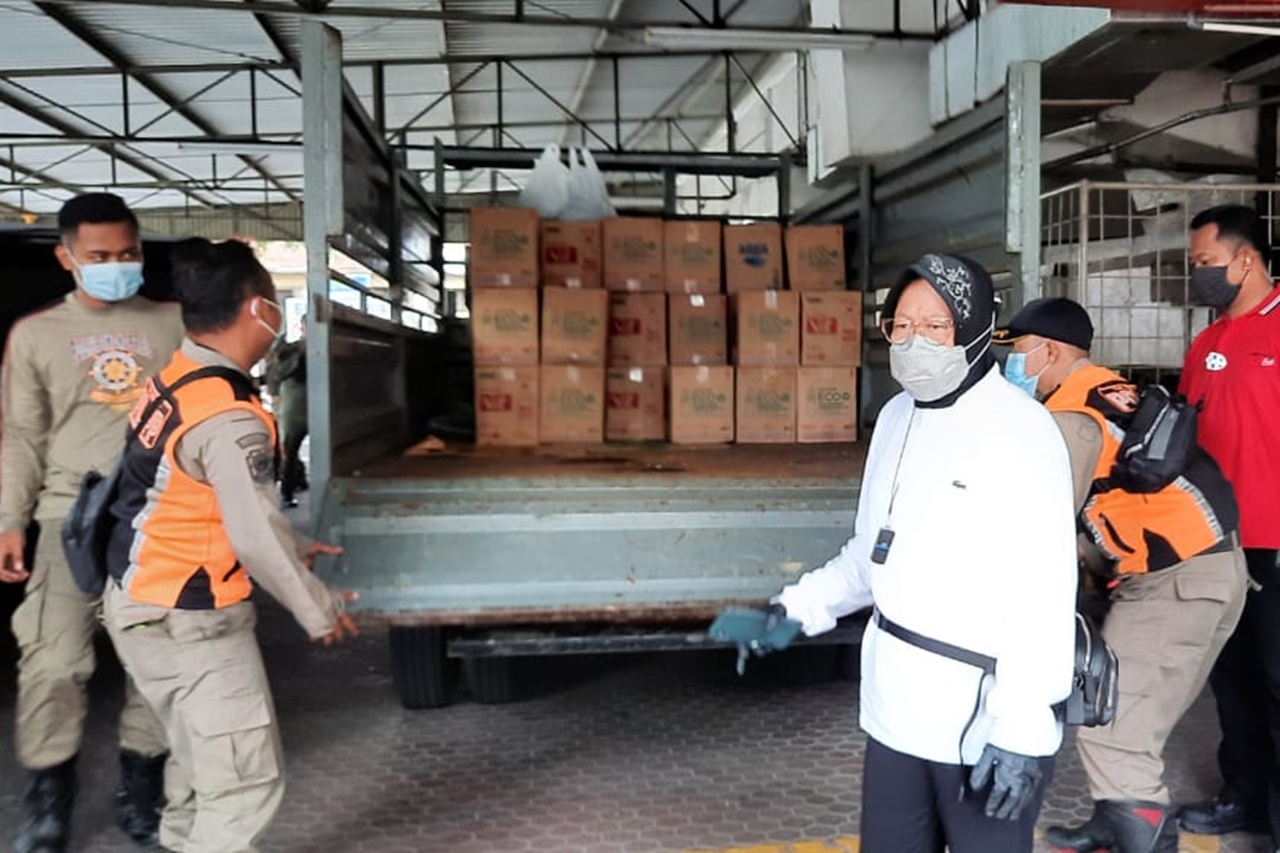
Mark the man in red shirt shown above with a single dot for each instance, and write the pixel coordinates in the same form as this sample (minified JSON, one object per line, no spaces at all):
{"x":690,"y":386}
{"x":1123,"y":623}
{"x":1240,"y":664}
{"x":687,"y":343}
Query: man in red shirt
{"x":1233,"y":371}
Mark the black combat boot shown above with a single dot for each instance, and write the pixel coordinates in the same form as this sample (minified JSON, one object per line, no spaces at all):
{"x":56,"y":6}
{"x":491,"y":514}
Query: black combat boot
{"x":1094,"y":834}
{"x":1139,"y":827}
{"x":1228,"y":812}
{"x":140,"y":797}
{"x":46,"y":826}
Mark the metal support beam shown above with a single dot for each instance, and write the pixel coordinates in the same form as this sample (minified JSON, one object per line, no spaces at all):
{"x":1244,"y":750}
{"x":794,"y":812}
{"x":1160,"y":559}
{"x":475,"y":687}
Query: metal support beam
{"x":402,"y":62}
{"x":498,"y":130}
{"x":286,"y":9}
{"x":441,"y":98}
{"x":111,"y":149}
{"x":691,"y":163}
{"x":767,"y":104}
{"x":322,"y":216}
{"x":1268,"y":167}
{"x":84,"y":33}
{"x":1022,"y":179}
{"x":731,"y":123}
{"x":553,"y":99}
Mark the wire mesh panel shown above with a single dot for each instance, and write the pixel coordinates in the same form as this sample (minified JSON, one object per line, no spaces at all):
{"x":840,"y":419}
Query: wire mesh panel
{"x":1120,"y":249}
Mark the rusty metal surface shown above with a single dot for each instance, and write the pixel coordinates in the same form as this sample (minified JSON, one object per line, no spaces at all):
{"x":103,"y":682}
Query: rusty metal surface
{"x":619,"y":535}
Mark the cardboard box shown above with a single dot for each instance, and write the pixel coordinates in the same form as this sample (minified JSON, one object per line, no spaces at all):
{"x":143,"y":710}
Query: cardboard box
{"x":831,"y":329}
{"x":572,"y":407}
{"x":504,"y":247}
{"x":504,"y":326}
{"x":572,"y":254}
{"x":766,"y":405}
{"x":766,"y":329}
{"x":815,"y":257}
{"x":828,"y":399}
{"x":637,"y":329}
{"x":693,"y":255}
{"x":701,"y":405}
{"x":575,"y":324}
{"x":506,"y":406}
{"x":633,"y":257}
{"x":753,"y":257}
{"x":698,"y":328}
{"x":635,"y":404}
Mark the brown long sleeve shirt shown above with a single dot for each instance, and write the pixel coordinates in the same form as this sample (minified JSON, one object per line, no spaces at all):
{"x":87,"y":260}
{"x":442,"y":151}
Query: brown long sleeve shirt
{"x":71,"y":374}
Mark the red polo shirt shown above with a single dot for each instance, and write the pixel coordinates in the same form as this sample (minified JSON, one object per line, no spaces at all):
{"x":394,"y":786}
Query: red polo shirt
{"x":1233,"y":367}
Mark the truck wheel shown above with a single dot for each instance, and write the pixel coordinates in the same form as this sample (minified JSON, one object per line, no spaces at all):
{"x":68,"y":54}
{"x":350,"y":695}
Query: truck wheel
{"x":491,"y":680}
{"x":423,"y":676}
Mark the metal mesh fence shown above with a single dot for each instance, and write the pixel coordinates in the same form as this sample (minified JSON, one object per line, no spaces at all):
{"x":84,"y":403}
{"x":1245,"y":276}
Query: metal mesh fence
{"x":1120,"y":249}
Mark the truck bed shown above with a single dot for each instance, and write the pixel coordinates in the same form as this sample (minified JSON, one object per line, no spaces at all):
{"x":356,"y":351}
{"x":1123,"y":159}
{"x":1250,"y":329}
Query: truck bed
{"x":608,"y":533}
{"x":608,"y":462}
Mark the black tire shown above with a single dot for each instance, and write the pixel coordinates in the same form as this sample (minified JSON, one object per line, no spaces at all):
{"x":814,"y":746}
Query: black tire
{"x":492,"y":680}
{"x":848,"y":662}
{"x":423,"y":676}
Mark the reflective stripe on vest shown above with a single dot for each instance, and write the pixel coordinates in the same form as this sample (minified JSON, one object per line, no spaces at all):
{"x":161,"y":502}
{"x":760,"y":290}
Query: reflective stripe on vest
{"x":175,"y":552}
{"x":1141,"y":533}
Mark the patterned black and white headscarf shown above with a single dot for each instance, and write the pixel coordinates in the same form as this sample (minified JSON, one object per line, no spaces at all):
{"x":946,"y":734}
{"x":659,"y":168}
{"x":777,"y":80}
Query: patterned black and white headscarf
{"x":970,"y":295}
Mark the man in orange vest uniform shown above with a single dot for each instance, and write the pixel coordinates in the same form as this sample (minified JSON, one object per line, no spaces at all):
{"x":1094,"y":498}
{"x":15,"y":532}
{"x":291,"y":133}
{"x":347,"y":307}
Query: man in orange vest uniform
{"x":197,"y":525}
{"x":1171,"y":558}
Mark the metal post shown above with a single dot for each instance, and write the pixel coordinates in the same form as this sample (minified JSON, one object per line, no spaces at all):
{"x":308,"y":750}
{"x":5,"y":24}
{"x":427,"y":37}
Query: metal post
{"x":124,"y":101}
{"x":380,"y":99}
{"x":784,"y":187}
{"x":1268,"y":116}
{"x":1022,"y":179}
{"x":617,"y":108}
{"x":669,"y":192}
{"x":253,"y":102}
{"x":322,"y":217}
{"x":731,"y":128}
{"x":866,"y":216}
{"x":498,"y":136}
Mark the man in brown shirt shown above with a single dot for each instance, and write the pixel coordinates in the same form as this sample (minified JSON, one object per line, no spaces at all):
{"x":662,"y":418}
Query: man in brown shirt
{"x":70,"y":375}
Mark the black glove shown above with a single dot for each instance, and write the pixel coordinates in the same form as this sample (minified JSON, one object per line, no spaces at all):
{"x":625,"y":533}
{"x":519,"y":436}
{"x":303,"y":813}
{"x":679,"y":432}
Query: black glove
{"x":755,"y":632}
{"x":1016,"y":779}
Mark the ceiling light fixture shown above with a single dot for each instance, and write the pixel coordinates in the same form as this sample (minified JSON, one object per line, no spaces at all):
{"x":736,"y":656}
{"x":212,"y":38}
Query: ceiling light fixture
{"x":231,"y":146}
{"x":736,"y":38}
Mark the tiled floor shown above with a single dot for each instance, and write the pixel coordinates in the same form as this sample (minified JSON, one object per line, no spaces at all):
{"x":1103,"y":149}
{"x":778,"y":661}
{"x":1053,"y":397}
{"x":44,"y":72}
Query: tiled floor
{"x":645,"y":753}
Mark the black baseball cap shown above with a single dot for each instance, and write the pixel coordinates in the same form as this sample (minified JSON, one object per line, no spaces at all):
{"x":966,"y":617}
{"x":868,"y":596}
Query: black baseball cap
{"x":1055,"y":318}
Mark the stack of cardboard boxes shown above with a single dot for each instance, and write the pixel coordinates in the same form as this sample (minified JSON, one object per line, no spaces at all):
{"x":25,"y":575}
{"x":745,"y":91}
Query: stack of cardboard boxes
{"x":636,"y":330}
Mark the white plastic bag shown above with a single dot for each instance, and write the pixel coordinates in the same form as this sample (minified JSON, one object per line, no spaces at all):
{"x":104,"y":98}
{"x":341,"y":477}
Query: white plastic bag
{"x":588,"y":194}
{"x":547,"y":190}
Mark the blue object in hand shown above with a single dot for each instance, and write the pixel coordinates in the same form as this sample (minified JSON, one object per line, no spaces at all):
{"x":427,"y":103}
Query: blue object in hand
{"x":753,"y":631}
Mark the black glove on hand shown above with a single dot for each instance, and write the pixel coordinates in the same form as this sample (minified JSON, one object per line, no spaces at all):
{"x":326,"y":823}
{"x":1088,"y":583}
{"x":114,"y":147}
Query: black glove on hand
{"x":1014,"y":779}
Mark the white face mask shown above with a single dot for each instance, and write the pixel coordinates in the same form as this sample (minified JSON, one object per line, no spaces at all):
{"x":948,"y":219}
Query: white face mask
{"x":276,"y":331}
{"x":929,"y":371}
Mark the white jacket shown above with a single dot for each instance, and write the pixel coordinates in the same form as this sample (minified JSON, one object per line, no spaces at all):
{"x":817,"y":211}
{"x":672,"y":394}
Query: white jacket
{"x":983,"y":557}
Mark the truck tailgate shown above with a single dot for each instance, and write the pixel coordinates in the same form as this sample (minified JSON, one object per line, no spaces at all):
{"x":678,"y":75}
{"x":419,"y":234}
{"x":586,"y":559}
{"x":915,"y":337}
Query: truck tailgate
{"x":600,"y":534}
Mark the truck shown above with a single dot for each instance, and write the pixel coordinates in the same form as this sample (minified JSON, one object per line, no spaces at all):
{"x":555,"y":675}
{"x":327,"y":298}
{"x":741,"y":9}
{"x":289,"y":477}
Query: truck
{"x":488,"y":556}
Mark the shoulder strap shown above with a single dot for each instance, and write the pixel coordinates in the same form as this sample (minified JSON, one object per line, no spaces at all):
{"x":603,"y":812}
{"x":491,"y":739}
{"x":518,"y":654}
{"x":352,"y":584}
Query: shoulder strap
{"x":237,"y":380}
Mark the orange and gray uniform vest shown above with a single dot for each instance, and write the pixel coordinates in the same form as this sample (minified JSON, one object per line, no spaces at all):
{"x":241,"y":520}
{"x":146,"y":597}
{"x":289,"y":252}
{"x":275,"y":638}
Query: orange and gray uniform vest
{"x":1195,"y":514}
{"x":170,"y":547}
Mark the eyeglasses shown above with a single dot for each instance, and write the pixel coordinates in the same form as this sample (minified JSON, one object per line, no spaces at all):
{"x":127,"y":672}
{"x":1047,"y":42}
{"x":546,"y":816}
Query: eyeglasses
{"x":898,"y":331}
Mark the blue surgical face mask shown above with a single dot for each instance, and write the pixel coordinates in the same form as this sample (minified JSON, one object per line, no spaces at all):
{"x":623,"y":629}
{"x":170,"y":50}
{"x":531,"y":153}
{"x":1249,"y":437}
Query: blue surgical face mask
{"x":110,"y":282}
{"x":1015,"y":370}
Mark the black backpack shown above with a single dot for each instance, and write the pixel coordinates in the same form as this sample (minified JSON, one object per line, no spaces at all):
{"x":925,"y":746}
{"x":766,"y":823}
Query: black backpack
{"x":1158,"y":442}
{"x":86,"y":533}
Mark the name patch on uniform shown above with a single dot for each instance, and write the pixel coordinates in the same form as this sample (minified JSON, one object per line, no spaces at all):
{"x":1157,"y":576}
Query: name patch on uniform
{"x":262,"y":465}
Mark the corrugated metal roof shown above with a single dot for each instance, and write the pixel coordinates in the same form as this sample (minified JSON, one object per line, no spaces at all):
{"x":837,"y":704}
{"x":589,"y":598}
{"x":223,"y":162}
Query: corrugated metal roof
{"x":157,"y":36}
